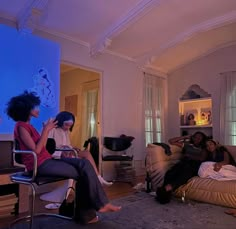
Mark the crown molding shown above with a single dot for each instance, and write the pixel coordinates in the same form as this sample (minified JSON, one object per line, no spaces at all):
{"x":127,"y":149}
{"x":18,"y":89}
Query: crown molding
{"x":154,"y":69}
{"x":8,"y":20}
{"x":120,"y":55}
{"x":180,"y":38}
{"x":79,"y":42}
{"x":208,"y":52}
{"x":31,"y":15}
{"x":123,"y":23}
{"x":62,"y":36}
{"x":100,"y":47}
{"x":7,"y":17}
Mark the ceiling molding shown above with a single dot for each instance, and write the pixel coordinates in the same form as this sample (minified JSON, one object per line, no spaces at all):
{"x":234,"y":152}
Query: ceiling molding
{"x":180,"y":38}
{"x":12,"y":21}
{"x":100,"y":47}
{"x":120,"y":55}
{"x":124,"y":22}
{"x":7,"y":20}
{"x":31,"y":15}
{"x":5,"y":16}
{"x":41,"y":29}
{"x":155,"y":71}
{"x":62,"y":35}
{"x":208,"y":52}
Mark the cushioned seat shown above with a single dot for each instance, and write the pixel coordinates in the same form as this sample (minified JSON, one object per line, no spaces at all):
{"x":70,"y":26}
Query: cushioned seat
{"x":211,"y":191}
{"x":27,"y":177}
{"x":32,"y":180}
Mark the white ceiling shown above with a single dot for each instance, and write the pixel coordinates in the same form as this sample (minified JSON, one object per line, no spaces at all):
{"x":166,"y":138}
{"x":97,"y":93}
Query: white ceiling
{"x":160,"y":34}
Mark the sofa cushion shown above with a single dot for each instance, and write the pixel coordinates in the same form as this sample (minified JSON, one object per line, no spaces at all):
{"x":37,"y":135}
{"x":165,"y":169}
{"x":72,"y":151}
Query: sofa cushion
{"x":232,"y":150}
{"x":211,"y":191}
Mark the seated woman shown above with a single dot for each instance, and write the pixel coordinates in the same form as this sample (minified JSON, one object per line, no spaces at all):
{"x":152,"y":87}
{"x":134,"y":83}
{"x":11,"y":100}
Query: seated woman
{"x":90,"y":195}
{"x":219,"y":165}
{"x":65,"y":123}
{"x":193,"y":155}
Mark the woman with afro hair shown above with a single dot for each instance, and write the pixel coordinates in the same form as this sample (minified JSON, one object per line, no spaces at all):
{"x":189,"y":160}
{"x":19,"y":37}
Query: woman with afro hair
{"x":90,"y":194}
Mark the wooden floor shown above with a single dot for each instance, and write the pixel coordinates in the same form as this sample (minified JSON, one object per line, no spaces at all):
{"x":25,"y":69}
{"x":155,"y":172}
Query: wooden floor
{"x":117,"y":190}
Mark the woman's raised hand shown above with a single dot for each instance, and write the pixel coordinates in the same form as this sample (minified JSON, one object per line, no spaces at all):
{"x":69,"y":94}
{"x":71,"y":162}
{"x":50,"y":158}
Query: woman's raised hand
{"x":50,"y":124}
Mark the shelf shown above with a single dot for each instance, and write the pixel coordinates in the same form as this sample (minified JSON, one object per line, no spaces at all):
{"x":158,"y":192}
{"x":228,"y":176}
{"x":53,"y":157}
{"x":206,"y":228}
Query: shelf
{"x":196,"y":126}
{"x":195,"y":100}
{"x":201,"y":111}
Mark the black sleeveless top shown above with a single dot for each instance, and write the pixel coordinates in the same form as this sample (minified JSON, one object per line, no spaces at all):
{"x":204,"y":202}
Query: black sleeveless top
{"x":219,"y":156}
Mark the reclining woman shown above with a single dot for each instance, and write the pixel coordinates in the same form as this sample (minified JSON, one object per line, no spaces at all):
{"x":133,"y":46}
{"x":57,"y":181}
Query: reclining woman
{"x":220,"y":165}
{"x":194,"y":154}
{"x":90,"y":194}
{"x":65,"y":123}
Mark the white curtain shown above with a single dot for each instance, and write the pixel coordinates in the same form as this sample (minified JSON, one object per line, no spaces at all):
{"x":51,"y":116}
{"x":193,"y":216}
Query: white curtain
{"x":90,"y":114}
{"x":153,"y":108}
{"x":92,"y":101}
{"x":228,"y":108}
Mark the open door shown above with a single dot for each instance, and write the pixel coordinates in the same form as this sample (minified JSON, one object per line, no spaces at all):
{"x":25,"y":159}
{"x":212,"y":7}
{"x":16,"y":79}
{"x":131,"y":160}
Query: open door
{"x":80,"y":94}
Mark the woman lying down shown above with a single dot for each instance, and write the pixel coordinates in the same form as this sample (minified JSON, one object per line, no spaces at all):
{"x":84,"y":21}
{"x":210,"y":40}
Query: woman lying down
{"x":220,"y":165}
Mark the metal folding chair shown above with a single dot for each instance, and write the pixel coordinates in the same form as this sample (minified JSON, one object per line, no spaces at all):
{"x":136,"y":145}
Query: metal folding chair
{"x":33,"y":180}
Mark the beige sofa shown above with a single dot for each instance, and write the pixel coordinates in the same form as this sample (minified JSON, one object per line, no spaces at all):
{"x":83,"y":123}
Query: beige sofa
{"x":200,"y":189}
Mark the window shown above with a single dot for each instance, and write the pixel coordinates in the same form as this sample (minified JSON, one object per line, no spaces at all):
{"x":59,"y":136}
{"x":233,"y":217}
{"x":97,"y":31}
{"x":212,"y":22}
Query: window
{"x":228,"y":108}
{"x":153,"y":108}
{"x":90,"y":114}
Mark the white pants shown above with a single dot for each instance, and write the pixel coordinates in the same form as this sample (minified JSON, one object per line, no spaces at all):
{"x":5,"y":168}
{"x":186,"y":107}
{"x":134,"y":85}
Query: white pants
{"x":227,"y":172}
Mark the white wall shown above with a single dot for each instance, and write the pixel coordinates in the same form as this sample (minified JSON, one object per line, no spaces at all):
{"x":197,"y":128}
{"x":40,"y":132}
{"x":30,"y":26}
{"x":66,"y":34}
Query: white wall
{"x":121,"y":91}
{"x":204,"y":72}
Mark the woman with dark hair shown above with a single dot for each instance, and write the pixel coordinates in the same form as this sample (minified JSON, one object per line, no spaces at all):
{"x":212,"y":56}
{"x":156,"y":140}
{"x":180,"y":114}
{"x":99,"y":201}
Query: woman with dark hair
{"x":194,"y":154}
{"x":90,"y":194}
{"x":65,"y":123}
{"x":220,"y":165}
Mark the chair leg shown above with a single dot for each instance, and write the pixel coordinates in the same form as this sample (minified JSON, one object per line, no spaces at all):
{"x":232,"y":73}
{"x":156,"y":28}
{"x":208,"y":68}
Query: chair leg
{"x":32,"y":206}
{"x":32,"y":214}
{"x":29,"y":217}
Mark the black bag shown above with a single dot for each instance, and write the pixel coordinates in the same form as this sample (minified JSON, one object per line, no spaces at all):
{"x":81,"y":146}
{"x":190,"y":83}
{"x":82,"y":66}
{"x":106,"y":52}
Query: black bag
{"x":67,"y":208}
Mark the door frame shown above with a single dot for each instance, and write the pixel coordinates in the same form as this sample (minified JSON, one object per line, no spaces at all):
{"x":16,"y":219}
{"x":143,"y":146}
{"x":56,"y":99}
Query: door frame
{"x":100,"y":102}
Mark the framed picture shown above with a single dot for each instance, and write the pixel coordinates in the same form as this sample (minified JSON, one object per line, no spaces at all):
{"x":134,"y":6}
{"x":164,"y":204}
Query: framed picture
{"x":191,"y":117}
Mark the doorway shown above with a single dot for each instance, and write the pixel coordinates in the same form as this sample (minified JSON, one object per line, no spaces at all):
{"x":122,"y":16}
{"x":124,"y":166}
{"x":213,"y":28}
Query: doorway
{"x":80,"y":94}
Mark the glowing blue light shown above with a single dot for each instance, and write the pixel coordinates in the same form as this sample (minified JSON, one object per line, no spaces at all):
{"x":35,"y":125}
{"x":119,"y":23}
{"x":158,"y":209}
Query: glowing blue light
{"x":28,"y":62}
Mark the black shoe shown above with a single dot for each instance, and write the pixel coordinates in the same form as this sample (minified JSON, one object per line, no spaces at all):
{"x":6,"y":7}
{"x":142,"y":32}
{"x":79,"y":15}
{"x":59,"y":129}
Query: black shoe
{"x":163,"y":196}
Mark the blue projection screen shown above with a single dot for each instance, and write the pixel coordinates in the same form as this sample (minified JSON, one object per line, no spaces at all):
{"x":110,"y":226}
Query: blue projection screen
{"x":28,"y":62}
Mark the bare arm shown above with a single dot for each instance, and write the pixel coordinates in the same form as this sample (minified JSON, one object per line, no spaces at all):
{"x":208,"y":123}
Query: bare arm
{"x":226,"y":161}
{"x":178,"y":141}
{"x":29,"y":142}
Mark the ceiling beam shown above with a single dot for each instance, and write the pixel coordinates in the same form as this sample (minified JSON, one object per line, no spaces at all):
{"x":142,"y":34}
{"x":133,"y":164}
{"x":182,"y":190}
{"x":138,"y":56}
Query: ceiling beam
{"x":214,"y":23}
{"x":30,"y":16}
{"x":142,"y":8}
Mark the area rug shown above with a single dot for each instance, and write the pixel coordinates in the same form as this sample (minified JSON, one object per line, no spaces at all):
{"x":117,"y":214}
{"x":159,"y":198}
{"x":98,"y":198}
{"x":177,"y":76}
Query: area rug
{"x":141,"y":211}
